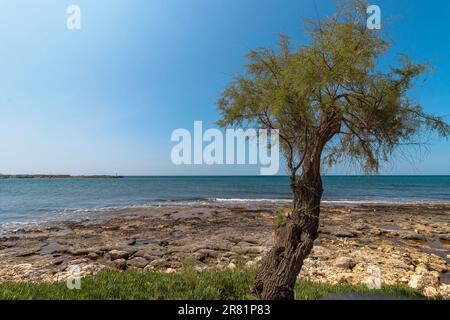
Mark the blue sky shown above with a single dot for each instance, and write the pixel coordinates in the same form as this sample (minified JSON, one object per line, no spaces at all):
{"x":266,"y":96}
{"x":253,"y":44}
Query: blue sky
{"x":105,"y":99}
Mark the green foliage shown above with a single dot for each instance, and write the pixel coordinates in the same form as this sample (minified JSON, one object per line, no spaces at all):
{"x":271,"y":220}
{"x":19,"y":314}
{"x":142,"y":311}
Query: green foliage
{"x":189,"y":284}
{"x":331,"y":96}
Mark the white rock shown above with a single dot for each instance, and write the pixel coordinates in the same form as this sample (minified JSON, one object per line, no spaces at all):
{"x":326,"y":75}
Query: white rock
{"x":430,"y":292}
{"x":231,"y":266}
{"x":170,"y":270}
{"x":420,"y":282}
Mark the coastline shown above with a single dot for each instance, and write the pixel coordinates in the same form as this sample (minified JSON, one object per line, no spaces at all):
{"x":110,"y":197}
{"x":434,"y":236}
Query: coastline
{"x":410,"y":243}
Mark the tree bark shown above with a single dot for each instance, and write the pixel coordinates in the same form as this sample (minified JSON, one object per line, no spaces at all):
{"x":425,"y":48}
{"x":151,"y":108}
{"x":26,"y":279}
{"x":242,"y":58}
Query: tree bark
{"x":294,"y":240}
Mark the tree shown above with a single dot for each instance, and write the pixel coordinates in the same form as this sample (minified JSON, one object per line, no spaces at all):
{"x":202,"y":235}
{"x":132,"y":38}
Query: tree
{"x":330,"y":100}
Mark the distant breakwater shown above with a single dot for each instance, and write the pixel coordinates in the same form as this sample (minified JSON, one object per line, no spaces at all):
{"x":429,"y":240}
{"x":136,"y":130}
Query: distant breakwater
{"x":49,"y":176}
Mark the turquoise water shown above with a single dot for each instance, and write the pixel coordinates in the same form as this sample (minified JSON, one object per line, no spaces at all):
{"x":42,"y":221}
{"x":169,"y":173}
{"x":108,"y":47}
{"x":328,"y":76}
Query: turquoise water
{"x":37,"y":199}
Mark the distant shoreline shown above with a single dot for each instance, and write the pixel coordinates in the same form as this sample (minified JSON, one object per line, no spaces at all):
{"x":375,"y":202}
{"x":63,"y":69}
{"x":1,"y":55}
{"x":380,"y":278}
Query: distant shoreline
{"x":53,"y":176}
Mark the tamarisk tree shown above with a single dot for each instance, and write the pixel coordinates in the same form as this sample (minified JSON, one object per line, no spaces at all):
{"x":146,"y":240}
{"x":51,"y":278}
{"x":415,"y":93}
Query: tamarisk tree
{"x":330,"y":100}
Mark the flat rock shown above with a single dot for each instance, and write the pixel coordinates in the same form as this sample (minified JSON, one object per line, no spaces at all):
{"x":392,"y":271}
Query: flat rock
{"x":138,"y":262}
{"x":345,"y":263}
{"x":117,"y":254}
{"x":343,"y":234}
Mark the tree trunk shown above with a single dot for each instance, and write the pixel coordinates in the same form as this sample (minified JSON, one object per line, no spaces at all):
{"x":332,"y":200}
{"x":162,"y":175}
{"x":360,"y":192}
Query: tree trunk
{"x":294,"y":238}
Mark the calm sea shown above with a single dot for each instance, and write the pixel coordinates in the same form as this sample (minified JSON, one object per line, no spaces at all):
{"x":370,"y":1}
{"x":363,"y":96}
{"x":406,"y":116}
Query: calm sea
{"x":25,"y":200}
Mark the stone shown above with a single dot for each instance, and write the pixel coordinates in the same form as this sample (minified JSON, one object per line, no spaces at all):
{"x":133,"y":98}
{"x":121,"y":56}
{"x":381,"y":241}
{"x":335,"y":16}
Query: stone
{"x":159,"y":263}
{"x":170,"y":271}
{"x":116,"y":254}
{"x":250,"y":264}
{"x":164,"y":243}
{"x":120,"y":264}
{"x":343,"y":234}
{"x":57,"y":261}
{"x":138,"y":262}
{"x":413,"y":236}
{"x":78,"y":252}
{"x":231,"y":266}
{"x":420,"y":282}
{"x":345,"y":263}
{"x":93,"y":256}
{"x":421,"y":269}
{"x":430,"y":292}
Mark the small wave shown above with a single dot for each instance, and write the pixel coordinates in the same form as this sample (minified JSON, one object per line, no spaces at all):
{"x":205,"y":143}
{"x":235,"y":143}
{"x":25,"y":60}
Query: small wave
{"x":387,"y":202}
{"x":248,"y":200}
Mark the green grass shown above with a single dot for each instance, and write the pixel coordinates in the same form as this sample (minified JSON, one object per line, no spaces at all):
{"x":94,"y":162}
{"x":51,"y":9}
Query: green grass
{"x":189,"y":284}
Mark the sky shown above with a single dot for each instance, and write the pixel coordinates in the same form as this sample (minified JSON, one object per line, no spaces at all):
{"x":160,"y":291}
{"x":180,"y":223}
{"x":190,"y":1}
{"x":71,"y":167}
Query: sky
{"x":105,"y":99}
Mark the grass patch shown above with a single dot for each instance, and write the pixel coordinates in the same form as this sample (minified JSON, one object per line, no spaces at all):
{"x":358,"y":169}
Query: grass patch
{"x":190,"y":285}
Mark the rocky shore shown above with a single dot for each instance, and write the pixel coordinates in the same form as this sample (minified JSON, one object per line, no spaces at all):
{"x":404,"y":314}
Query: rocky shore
{"x":407,"y":244}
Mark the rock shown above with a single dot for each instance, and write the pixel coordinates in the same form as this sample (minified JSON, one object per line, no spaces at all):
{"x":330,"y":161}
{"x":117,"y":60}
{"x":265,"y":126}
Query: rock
{"x":121,"y":264}
{"x":412,"y":236}
{"x":421,"y":269}
{"x":344,"y":278}
{"x":164,"y":243}
{"x":170,"y":270}
{"x":345,"y":263}
{"x":26,"y":253}
{"x":138,"y":262}
{"x":200,"y":268}
{"x":92,"y":256}
{"x":430,"y":292}
{"x":250,"y":264}
{"x":445,"y":237}
{"x":116,"y":254}
{"x":420,"y":282}
{"x":160,"y":263}
{"x":202,"y":254}
{"x":78,"y":252}
{"x":57,"y":262}
{"x":343,"y":234}
{"x":231,"y":266}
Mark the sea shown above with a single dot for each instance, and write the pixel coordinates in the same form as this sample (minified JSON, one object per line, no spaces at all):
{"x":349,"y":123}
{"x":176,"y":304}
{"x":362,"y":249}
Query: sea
{"x":34,"y":200}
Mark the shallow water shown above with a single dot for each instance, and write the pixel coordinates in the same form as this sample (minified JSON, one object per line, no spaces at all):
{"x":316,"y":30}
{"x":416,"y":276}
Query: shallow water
{"x":25,"y":200}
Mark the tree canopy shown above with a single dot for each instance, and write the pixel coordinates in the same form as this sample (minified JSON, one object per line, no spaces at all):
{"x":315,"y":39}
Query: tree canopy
{"x":332,"y":94}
